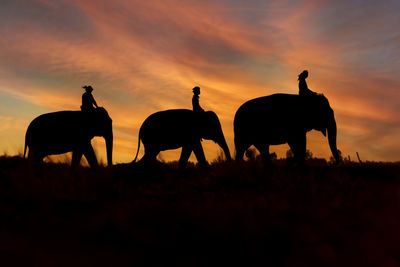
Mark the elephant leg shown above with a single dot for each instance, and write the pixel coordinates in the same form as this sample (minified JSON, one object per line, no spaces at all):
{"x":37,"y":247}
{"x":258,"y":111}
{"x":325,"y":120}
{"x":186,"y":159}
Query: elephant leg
{"x":264,"y":151}
{"x":198,"y":151}
{"x":31,"y":158}
{"x":35,"y":162}
{"x":298,"y":147}
{"x":76,"y":158}
{"x":185,"y":154}
{"x":240,"y":149}
{"x":91,"y":156}
{"x":150,"y":155}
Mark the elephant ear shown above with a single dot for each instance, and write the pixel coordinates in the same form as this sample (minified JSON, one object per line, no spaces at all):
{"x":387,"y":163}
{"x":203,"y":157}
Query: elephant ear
{"x":318,"y":110}
{"x":213,"y":126}
{"x":197,"y":122}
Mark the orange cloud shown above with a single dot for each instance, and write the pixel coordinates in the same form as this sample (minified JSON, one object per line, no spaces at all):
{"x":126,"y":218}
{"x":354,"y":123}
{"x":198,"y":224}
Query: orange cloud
{"x":145,"y":56}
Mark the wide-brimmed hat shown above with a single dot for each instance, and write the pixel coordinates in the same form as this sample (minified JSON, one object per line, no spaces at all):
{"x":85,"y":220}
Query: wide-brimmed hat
{"x":87,"y":87}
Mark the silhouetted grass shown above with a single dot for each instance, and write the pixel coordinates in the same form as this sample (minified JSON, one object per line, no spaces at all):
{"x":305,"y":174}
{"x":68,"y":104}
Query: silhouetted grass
{"x":228,"y":214}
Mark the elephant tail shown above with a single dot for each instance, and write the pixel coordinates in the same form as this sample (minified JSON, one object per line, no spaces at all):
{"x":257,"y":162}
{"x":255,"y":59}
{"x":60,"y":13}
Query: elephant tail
{"x":137,"y":152}
{"x":25,"y":150}
{"x":26,"y":145}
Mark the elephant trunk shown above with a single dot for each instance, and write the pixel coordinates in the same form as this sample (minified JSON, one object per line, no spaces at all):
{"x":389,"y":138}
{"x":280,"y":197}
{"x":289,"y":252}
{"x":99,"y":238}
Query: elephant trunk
{"x":109,"y":146}
{"x":332,"y":133}
{"x":222,"y":143}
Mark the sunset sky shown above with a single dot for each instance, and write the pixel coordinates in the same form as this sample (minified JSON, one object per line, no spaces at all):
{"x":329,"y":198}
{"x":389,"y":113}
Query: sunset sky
{"x":146,"y":56}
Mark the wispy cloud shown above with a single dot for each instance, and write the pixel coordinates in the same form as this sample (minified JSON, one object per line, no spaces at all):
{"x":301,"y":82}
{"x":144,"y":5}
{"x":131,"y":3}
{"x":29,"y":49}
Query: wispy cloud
{"x":145,"y":56}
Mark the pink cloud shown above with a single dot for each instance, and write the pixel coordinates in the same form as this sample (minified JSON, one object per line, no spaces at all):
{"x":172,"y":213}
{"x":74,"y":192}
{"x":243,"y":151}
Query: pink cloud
{"x":145,"y":56}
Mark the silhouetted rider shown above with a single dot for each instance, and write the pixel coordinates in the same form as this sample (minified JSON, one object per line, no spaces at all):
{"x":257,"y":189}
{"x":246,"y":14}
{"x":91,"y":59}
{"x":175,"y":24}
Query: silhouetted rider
{"x":88,"y":102}
{"x":303,"y":88}
{"x":195,"y":100}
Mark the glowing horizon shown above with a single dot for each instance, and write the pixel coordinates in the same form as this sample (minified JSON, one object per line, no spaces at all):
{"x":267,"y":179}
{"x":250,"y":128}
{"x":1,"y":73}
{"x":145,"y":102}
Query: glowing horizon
{"x":145,"y":56}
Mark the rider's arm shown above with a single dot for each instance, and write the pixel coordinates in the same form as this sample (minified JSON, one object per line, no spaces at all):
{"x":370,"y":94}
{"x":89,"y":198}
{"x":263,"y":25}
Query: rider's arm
{"x":93,"y":101}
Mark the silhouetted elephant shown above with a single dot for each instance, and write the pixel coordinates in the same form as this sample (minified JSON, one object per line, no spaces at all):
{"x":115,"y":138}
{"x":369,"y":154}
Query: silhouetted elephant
{"x":65,"y":131}
{"x":283,"y":118}
{"x":175,"y":128}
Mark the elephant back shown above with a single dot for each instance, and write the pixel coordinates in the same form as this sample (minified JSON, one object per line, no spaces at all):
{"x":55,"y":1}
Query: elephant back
{"x":281,"y":106}
{"x":65,"y":124}
{"x":280,"y":115}
{"x":177,"y":126}
{"x":167,"y":125}
{"x":167,"y":118}
{"x":255,"y":110}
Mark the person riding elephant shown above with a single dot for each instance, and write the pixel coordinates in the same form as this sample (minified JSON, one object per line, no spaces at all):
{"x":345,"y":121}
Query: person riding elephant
{"x":88,"y":102}
{"x":303,"y":88}
{"x":283,"y":118}
{"x":68,"y":131}
{"x":176,"y":128}
{"x":195,"y":100}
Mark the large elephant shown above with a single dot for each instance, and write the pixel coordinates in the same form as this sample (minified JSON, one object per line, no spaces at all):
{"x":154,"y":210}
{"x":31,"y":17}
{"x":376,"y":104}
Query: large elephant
{"x":283,"y":118}
{"x":175,"y":128}
{"x":65,"y":131}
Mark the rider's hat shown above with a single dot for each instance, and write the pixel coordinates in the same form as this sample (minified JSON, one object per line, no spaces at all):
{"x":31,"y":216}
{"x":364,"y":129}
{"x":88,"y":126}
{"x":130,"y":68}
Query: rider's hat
{"x":88,"y":88}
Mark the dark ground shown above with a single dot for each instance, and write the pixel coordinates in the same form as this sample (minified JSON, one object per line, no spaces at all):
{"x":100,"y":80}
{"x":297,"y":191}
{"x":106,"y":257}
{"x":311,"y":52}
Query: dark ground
{"x":229,"y":214}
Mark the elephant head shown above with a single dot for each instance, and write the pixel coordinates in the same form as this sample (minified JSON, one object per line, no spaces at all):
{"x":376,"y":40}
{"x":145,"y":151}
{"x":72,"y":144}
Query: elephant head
{"x":322,"y":118}
{"x":210,"y":129}
{"x":101,"y":125}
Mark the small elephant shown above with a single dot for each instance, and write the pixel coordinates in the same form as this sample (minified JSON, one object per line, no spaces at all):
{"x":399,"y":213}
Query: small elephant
{"x":65,"y":131}
{"x":283,"y":118}
{"x":175,"y":128}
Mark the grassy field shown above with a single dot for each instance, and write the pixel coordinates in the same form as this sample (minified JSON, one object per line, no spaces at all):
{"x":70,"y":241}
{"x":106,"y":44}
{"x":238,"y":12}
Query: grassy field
{"x":229,"y":214}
